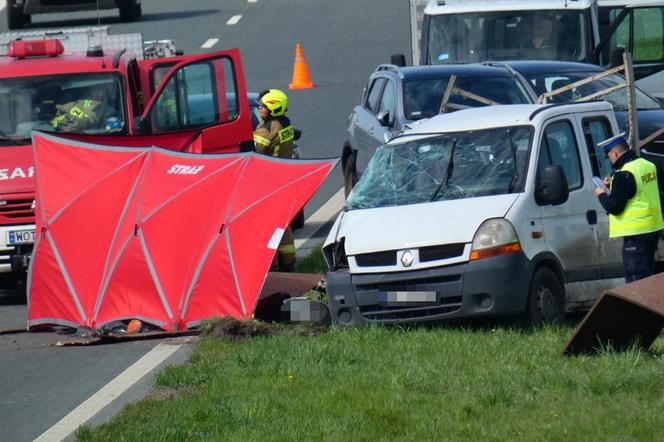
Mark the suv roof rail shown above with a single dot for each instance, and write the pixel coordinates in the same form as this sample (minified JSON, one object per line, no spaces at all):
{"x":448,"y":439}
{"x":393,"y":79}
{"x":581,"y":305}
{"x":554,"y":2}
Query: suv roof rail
{"x":387,"y":67}
{"x":501,"y":64}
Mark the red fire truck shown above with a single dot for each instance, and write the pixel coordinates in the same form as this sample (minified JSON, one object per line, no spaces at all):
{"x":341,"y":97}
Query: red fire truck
{"x":91,"y":86}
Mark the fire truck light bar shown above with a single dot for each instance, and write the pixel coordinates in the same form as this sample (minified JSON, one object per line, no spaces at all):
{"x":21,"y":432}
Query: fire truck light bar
{"x":35,"y":48}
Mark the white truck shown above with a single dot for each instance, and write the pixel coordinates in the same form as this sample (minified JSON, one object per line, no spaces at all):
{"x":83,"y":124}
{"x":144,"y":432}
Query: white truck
{"x":19,"y":12}
{"x":591,"y":31}
{"x":481,"y":212}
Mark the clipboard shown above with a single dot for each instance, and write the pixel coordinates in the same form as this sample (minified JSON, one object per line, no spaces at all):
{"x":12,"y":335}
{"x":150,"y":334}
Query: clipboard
{"x":597,"y":181}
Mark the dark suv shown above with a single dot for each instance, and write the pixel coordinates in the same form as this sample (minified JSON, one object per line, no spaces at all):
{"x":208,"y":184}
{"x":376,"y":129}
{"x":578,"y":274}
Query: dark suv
{"x":397,"y":96}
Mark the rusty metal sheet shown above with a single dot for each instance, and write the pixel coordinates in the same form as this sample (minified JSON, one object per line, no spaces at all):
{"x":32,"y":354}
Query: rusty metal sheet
{"x":629,"y":314}
{"x":293,"y":284}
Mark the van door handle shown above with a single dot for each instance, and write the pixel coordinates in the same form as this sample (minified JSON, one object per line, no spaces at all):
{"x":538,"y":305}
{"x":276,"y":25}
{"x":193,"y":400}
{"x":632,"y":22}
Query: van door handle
{"x":591,"y":216}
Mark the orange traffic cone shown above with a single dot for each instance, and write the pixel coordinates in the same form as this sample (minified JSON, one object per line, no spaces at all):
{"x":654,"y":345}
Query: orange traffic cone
{"x":301,"y":78}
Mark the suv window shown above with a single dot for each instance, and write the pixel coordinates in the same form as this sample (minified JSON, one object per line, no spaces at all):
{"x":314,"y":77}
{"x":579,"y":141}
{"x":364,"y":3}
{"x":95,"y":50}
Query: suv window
{"x":375,"y":90}
{"x":596,"y":130}
{"x":388,"y":102}
{"x":559,"y":147}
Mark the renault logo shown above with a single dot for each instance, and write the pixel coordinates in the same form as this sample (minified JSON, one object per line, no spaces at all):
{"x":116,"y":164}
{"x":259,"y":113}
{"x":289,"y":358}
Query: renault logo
{"x":407,"y":258}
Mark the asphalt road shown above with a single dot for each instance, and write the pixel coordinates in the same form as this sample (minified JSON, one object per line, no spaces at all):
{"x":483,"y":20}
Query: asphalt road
{"x":343,"y":41}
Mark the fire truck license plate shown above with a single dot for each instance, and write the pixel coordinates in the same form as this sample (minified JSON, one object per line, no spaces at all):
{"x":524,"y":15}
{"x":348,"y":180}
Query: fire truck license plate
{"x":21,"y":237}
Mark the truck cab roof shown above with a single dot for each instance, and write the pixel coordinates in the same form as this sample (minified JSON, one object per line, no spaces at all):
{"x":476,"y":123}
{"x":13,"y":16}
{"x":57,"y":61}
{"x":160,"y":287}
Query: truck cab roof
{"x":76,"y":63}
{"x":501,"y":116}
{"x":435,"y":7}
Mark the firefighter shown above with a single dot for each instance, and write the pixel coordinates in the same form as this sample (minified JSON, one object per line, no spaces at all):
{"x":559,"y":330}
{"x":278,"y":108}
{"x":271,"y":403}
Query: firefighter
{"x":274,"y":136}
{"x":91,"y":112}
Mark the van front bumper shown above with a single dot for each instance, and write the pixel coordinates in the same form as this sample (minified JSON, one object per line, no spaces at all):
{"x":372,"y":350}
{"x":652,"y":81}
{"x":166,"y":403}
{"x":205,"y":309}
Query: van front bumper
{"x":488,"y":287}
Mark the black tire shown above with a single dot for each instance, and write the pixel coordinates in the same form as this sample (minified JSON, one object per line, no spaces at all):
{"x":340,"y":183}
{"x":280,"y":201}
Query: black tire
{"x":16,"y":19}
{"x":546,"y":299}
{"x":298,"y":221}
{"x":350,"y":175}
{"x":129,"y":10}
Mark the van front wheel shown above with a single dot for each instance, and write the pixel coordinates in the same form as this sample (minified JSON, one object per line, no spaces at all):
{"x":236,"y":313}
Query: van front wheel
{"x":546,"y":299}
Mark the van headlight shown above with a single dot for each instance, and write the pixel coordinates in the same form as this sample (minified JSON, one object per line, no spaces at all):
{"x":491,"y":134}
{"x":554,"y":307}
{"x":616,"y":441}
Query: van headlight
{"x":494,"y":237}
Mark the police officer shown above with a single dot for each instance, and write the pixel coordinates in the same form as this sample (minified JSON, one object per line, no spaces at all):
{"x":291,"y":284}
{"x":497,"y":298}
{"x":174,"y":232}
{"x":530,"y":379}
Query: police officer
{"x":274,"y":136}
{"x":634,"y":208}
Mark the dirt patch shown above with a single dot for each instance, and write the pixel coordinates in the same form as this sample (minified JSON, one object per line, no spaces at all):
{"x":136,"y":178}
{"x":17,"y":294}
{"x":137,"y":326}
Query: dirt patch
{"x":234,"y":330}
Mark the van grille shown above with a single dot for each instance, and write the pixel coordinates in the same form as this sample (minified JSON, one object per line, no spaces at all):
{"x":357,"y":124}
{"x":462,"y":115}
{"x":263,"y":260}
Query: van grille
{"x":386,"y":313}
{"x":377,"y":259}
{"x":434,"y":253}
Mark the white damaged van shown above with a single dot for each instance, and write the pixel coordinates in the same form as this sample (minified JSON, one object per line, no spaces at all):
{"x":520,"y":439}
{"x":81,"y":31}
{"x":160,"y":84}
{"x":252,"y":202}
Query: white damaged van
{"x":481,"y":212}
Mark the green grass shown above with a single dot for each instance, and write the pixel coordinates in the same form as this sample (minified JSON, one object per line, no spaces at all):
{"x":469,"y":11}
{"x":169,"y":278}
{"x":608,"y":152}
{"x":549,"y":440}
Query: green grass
{"x":373,"y":383}
{"x":313,"y":263}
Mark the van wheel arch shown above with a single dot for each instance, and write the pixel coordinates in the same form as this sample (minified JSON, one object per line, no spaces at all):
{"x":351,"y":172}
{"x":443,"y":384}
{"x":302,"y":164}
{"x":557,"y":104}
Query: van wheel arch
{"x":546,"y":293}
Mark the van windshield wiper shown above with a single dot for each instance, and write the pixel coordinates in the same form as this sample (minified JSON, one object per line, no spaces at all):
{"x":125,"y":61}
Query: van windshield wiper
{"x":448,"y":172}
{"x":515,"y":172}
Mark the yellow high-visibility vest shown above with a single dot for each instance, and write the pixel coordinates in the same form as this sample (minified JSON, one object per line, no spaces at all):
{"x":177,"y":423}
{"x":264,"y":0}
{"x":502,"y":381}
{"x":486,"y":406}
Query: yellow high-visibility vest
{"x":643,"y":212}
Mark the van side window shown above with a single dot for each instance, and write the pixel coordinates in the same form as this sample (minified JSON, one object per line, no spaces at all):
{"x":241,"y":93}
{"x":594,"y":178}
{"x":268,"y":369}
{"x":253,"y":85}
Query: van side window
{"x":596,"y":130}
{"x":374,"y":94}
{"x":559,"y":147}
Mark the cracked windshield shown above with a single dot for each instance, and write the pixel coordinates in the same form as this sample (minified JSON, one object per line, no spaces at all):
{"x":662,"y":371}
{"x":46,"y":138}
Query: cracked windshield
{"x":444,"y":167}
{"x":88,"y":104}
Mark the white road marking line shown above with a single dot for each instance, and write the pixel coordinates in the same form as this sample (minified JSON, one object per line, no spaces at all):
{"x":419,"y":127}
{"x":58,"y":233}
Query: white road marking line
{"x":84,"y":412}
{"x":233,"y":20}
{"x":320,"y":217}
{"x":252,"y":1}
{"x":209,"y":43}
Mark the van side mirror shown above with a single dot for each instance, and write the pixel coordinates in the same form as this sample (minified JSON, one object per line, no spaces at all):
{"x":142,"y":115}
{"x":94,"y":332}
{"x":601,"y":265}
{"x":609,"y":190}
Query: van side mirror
{"x":140,"y":126}
{"x":384,"y":118}
{"x":552,"y":188}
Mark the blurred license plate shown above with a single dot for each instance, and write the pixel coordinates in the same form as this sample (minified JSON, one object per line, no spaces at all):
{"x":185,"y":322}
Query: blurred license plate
{"x":406,"y":298}
{"x":20,"y":237}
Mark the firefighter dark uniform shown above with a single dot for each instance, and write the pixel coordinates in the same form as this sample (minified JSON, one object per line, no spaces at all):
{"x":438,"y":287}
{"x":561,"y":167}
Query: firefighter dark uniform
{"x":274,"y":136}
{"x":634,"y":207}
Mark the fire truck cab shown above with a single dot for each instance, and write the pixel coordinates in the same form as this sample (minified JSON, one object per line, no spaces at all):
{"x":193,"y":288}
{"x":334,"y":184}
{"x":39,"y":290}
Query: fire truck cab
{"x":94,"y":87}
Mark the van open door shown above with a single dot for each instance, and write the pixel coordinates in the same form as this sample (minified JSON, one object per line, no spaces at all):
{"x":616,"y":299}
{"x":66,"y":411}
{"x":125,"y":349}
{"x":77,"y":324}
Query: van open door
{"x":637,"y":27}
{"x":203,"y":96}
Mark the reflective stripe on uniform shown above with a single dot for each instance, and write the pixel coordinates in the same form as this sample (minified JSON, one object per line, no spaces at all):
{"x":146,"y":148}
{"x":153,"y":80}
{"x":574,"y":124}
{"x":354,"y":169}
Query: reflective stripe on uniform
{"x":286,"y":134}
{"x":78,"y":112}
{"x":261,"y":140}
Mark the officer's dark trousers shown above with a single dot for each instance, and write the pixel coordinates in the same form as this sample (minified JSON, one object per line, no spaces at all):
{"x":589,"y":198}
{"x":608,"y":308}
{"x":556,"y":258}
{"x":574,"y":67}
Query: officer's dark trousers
{"x":639,"y":255}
